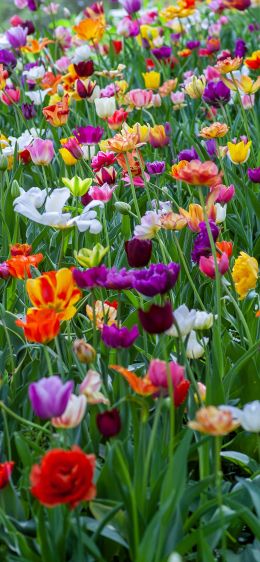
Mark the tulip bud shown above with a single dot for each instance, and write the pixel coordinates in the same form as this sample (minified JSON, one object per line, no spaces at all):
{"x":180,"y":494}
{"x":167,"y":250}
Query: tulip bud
{"x":175,"y":557}
{"x":84,"y":351}
{"x":123,"y":208}
{"x":15,"y":189}
{"x":60,"y":91}
{"x":3,"y":163}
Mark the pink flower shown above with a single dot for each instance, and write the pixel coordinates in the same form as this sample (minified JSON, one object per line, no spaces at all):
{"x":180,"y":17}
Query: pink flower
{"x":73,"y":414}
{"x":41,"y":151}
{"x":159,"y":373}
{"x":207,"y":265}
{"x":62,"y":64}
{"x":10,"y":96}
{"x":91,"y":386}
{"x":140,"y":98}
{"x":137,"y":180}
{"x":211,"y":73}
{"x":102,"y":193}
{"x":248,"y":101}
{"x":225,"y":193}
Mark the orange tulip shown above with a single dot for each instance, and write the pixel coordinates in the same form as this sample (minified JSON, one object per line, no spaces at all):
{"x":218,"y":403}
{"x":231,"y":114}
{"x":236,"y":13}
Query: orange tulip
{"x":141,"y":386}
{"x":20,"y":249}
{"x":90,"y":29}
{"x":57,"y":114}
{"x":19,"y":265}
{"x":55,"y":290}
{"x":225,"y":247}
{"x":196,"y":172}
{"x":40,"y":326}
{"x":34,"y":46}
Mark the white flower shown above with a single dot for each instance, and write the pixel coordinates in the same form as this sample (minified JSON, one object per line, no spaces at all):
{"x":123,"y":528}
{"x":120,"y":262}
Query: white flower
{"x":22,"y":142}
{"x":74,"y":413}
{"x":184,"y":318}
{"x":81,"y":54}
{"x":4,"y":43}
{"x":91,"y":386}
{"x":105,"y":107}
{"x":203,"y":320}
{"x":35,"y":73}
{"x":37,"y":96}
{"x":194,"y":349}
{"x":150,"y":224}
{"x":249,"y":417}
{"x":28,"y":203}
{"x":221,"y":212}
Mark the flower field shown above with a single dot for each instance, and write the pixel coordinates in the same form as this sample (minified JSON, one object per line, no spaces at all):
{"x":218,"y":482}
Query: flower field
{"x":130,"y":310}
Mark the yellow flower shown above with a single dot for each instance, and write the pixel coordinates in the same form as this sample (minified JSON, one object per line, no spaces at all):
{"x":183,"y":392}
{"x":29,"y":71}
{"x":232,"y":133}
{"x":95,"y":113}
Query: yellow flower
{"x":196,"y":87}
{"x":245,"y":274}
{"x":67,"y":157}
{"x":228,"y":65}
{"x":91,"y":258}
{"x":216,"y":130}
{"x":245,"y":84}
{"x":77,"y":186}
{"x":213,"y":421}
{"x":104,"y":314}
{"x":239,"y":153}
{"x":152,"y":79}
{"x":148,"y":32}
{"x":141,"y":130}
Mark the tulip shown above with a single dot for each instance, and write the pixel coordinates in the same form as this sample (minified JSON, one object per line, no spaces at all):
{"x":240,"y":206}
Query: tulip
{"x":152,"y":79}
{"x":102,"y":193}
{"x":116,"y":337}
{"x":90,"y":388}
{"x":213,"y":421}
{"x":150,"y":224}
{"x":245,"y":274}
{"x":157,"y":319}
{"x":49,"y":396}
{"x":40,"y":325}
{"x":138,"y":252}
{"x":239,"y":152}
{"x":195,"y":87}
{"x":105,"y":107}
{"x":195,"y":349}
{"x":248,"y":418}
{"x":91,"y":258}
{"x":157,"y":279}
{"x":140,"y":98}
{"x":41,"y":152}
{"x":10,"y":96}
{"x":73,"y":414}
{"x":207,"y":265}
{"x":77,"y":186}
{"x":109,"y":423}
{"x":6,"y":469}
{"x":254,"y":174}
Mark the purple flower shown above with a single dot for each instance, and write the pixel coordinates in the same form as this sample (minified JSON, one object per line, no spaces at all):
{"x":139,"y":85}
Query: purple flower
{"x":89,"y":134}
{"x":32,"y":5}
{"x":156,"y":280}
{"x":28,"y":110}
{"x":254,"y":174}
{"x":163,"y":52}
{"x":118,"y":279}
{"x":192,"y":44}
{"x":202,"y":245}
{"x":155,"y":168}
{"x":240,"y":48}
{"x":116,"y":337}
{"x":211,"y":147}
{"x":175,"y":37}
{"x":93,"y":277}
{"x":109,"y":422}
{"x":157,"y":319}
{"x":49,"y":396}
{"x":138,"y":252}
{"x":216,"y":94}
{"x":7,"y":59}
{"x":4,"y":270}
{"x":17,"y":36}
{"x":188,"y":154}
{"x":131,"y":6}
{"x":28,"y":24}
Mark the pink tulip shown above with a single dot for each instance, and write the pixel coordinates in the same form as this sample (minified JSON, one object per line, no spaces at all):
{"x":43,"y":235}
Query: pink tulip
{"x":140,"y":98}
{"x":102,"y":193}
{"x":207,"y":265}
{"x":41,"y":152}
{"x":10,"y":96}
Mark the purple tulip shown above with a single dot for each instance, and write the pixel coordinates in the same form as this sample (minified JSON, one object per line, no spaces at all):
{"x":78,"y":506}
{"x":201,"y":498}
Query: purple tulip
{"x":202,"y":245}
{"x":216,"y":94}
{"x":240,"y":48}
{"x":29,"y":110}
{"x":254,"y":174}
{"x":211,"y":147}
{"x":188,"y":154}
{"x":17,"y":36}
{"x":118,"y":279}
{"x":4,"y":270}
{"x":7,"y":59}
{"x":155,"y":168}
{"x":157,"y":319}
{"x":89,"y":134}
{"x":131,"y":6}
{"x":157,"y":279}
{"x":138,"y":252}
{"x":192,"y":44}
{"x":163,"y":52}
{"x":28,"y":24}
{"x":49,"y":396}
{"x":93,"y":277}
{"x":116,"y":337}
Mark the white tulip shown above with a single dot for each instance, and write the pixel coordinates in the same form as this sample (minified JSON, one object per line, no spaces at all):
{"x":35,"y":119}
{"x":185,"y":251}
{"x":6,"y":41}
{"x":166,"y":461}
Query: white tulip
{"x":203,"y":320}
{"x":105,"y":107}
{"x":249,"y":417}
{"x":81,"y":54}
{"x":194,"y":349}
{"x":221,"y":212}
{"x":35,"y":73}
{"x":74,"y":413}
{"x":37,"y":96}
{"x":184,"y":318}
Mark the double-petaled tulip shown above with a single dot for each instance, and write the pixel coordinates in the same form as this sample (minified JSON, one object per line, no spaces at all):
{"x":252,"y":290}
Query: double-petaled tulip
{"x":40,"y":326}
{"x":57,"y":114}
{"x":140,"y":98}
{"x":157,"y":279}
{"x":213,"y":421}
{"x":20,"y":265}
{"x":216,"y":94}
{"x":245,"y":274}
{"x":216,"y":130}
{"x":228,"y":65}
{"x":196,"y":172}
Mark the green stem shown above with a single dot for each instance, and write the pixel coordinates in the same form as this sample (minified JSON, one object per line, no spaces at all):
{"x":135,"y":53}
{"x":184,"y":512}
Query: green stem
{"x":48,"y":360}
{"x":4,"y":408}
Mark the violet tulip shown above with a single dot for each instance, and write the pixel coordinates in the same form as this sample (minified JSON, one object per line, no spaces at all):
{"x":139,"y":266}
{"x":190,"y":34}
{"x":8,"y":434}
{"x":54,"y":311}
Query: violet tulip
{"x":254,"y":174}
{"x":116,"y":337}
{"x":89,"y":134}
{"x":93,"y":277}
{"x":50,"y":396}
{"x":188,"y":154}
{"x":17,"y":36}
{"x":157,"y":280}
{"x":216,"y":94}
{"x":157,"y":319}
{"x":155,"y":168}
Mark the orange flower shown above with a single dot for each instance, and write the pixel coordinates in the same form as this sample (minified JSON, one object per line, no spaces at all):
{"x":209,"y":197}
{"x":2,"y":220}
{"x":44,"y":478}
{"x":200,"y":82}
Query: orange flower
{"x":40,"y":326}
{"x":141,"y":386}
{"x":216,"y":130}
{"x":196,"y":172}
{"x":195,"y":215}
{"x":228,"y":65}
{"x":184,"y":53}
{"x":57,"y":114}
{"x":167,"y":87}
{"x":20,"y":249}
{"x":225,"y":247}
{"x":90,"y":29}
{"x":173,"y":221}
{"x":158,"y":136}
{"x":51,"y":81}
{"x":34,"y":46}
{"x":133,"y":161}
{"x":121,"y":142}
{"x":213,"y":421}
{"x":55,"y":290}
{"x":19,"y":265}
{"x":105,"y":313}
{"x":253,"y":62}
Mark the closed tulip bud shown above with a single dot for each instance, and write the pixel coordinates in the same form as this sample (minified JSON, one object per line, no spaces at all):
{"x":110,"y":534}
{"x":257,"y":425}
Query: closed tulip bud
{"x":15,"y":189}
{"x":84,"y":351}
{"x":60,"y":91}
{"x":3,"y":163}
{"x":123,"y":208}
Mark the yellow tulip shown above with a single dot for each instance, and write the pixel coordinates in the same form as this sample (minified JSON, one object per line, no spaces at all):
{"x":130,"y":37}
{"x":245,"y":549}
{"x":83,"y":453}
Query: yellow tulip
{"x":239,"y":153}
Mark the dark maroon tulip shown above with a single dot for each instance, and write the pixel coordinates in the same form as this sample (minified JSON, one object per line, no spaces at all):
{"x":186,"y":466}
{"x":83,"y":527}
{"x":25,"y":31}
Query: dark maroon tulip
{"x":138,"y":252}
{"x":157,"y":319}
{"x":84,"y":68}
{"x":109,"y":423}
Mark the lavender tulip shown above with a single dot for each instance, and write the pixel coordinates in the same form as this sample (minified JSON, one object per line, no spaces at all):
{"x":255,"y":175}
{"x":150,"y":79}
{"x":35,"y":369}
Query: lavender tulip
{"x":49,"y":396}
{"x":116,"y":337}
